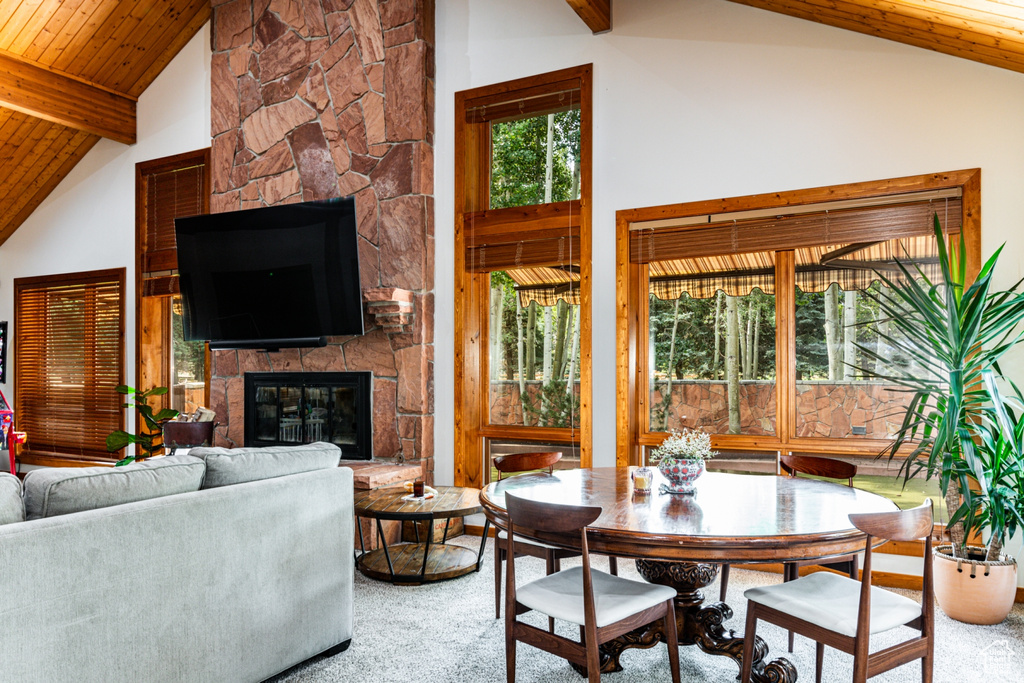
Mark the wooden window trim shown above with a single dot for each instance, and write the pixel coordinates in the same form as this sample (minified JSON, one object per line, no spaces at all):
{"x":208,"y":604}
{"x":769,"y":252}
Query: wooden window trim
{"x":54,"y":459}
{"x":159,"y":317}
{"x":631,"y":303}
{"x":472,"y":169}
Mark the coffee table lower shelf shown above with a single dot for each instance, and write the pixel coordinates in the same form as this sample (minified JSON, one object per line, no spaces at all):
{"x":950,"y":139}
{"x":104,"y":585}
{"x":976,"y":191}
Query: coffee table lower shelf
{"x":403,"y":563}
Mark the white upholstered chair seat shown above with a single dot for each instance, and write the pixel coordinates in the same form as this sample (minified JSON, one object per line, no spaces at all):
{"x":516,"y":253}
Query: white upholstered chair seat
{"x":831,"y":601}
{"x":561,"y":596}
{"x":502,"y":535}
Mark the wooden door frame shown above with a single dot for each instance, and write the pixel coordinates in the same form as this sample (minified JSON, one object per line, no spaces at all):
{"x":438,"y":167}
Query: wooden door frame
{"x":154,"y":318}
{"x":631,"y":305}
{"x":472,"y":181}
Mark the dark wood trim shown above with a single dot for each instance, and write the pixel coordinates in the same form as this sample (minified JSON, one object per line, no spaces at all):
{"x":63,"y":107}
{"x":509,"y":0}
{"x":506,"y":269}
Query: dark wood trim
{"x":596,"y":14}
{"x":82,"y":277}
{"x":586,"y":263}
{"x":152,"y":326}
{"x":632,"y":431}
{"x":627,"y":325}
{"x":785,"y":347}
{"x":472,"y":183}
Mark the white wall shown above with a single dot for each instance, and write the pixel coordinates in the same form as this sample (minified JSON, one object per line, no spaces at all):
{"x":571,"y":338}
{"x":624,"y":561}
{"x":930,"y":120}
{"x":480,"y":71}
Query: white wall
{"x":88,"y":221}
{"x":706,"y":99}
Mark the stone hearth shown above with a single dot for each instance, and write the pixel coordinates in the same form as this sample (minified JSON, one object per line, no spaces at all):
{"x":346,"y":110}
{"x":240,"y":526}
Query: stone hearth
{"x":314,"y":99}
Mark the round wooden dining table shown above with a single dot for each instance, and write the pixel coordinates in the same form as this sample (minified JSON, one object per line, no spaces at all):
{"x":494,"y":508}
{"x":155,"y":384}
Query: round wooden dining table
{"x":680,"y":540}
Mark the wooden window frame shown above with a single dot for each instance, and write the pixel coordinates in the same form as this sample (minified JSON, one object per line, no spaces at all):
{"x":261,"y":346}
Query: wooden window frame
{"x":472,"y":185}
{"x":632,"y":432}
{"x":153,"y":340}
{"x":53,"y":459}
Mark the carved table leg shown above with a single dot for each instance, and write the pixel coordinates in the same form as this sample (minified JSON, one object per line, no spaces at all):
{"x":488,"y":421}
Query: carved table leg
{"x":698,"y":624}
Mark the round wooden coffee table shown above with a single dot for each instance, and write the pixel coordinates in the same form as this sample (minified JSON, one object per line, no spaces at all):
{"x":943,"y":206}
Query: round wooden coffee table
{"x":415,"y":563}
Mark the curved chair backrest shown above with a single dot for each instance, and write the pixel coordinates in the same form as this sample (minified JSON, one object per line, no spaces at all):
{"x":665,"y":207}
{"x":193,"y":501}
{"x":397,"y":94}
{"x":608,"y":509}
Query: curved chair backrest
{"x":902,"y":525}
{"x":524,"y":462}
{"x":818,"y":467}
{"x":549,"y":516}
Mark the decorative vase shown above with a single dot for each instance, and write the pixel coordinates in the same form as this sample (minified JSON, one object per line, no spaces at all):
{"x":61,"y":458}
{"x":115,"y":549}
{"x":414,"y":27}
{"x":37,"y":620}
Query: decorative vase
{"x":974,"y":591}
{"x":680,"y":474}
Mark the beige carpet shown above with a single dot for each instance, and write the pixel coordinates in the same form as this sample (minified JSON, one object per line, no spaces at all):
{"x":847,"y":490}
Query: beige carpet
{"x":447,"y":633}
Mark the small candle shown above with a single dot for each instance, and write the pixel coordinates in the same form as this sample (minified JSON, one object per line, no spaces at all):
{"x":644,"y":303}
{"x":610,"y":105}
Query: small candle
{"x":642,"y":480}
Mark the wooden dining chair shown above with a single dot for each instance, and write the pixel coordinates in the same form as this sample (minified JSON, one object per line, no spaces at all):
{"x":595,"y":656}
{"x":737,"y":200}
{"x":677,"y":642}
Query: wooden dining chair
{"x":604,"y":606}
{"x":818,"y":467}
{"x":843,"y":613}
{"x":552,"y":556}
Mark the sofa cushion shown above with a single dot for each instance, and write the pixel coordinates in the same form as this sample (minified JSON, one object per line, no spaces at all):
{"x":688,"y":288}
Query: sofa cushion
{"x":63,"y":490}
{"x":226,"y":466}
{"x":12,"y":507}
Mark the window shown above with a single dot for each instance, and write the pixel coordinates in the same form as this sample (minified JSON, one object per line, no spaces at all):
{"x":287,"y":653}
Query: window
{"x":752,"y":318}
{"x":522,"y":268}
{"x":166,"y":189}
{"x":69,"y":354}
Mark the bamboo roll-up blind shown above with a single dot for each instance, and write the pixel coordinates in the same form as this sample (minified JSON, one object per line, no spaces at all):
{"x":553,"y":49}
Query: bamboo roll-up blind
{"x":853,"y":267}
{"x":521,"y":237}
{"x":169,"y":195}
{"x":783,"y":232}
{"x":68,"y":361}
{"x":537,"y":101}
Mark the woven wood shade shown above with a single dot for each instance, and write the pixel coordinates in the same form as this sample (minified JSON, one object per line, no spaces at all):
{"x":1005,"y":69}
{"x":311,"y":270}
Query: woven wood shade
{"x":852,"y":266}
{"x":524,"y":236}
{"x":168,"y":195}
{"x":550,"y":98}
{"x":68,"y":361}
{"x":847,"y":226}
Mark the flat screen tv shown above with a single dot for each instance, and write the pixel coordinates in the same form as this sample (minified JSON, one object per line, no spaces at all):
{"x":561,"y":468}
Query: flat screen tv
{"x":278,"y":276}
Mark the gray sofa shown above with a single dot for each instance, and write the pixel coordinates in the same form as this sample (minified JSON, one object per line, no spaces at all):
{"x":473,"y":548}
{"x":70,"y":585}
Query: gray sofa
{"x":237,"y":582}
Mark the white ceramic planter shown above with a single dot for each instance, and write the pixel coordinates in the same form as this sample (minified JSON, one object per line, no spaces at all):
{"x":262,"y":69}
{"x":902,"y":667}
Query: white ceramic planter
{"x":975,"y":592}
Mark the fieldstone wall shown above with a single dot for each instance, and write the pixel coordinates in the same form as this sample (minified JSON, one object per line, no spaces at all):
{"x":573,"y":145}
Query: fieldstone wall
{"x":314,"y":99}
{"x":825,"y":409}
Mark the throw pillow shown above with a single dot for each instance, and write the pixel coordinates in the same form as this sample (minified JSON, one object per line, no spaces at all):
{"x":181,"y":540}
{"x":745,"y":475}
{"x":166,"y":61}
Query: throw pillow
{"x":226,"y":466}
{"x":63,"y":490}
{"x":12,"y":507}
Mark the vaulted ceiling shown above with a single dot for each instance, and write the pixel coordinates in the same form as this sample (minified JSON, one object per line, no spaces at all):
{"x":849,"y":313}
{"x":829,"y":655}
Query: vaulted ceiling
{"x":987,"y":31}
{"x":70,"y":73}
{"x":72,"y":70}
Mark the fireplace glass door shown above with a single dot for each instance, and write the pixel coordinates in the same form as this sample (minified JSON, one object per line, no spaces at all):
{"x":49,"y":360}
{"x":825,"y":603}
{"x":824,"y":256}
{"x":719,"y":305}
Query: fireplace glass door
{"x":303,"y":407}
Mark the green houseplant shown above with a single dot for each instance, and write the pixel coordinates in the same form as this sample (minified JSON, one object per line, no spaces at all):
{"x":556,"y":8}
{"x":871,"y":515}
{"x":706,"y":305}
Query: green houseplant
{"x":957,"y":427}
{"x":150,"y":437}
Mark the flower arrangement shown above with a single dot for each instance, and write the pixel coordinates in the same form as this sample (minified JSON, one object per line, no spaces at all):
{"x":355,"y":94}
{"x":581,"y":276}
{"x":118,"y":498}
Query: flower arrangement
{"x":688,"y":444}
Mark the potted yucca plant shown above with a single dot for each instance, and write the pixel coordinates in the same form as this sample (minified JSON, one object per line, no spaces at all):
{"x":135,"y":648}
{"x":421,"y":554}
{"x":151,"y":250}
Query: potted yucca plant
{"x":957,"y":427}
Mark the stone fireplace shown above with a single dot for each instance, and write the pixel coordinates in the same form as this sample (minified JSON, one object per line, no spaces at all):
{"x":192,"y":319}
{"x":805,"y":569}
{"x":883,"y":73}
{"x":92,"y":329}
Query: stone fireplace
{"x":313,"y":99}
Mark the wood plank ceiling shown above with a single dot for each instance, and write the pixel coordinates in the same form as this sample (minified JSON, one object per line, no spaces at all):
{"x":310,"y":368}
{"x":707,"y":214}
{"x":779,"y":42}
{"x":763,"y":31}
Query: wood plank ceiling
{"x":70,"y":73}
{"x":987,"y":31}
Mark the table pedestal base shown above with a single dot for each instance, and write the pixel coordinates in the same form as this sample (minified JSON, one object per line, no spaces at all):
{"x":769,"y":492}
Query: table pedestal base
{"x":697,"y":624}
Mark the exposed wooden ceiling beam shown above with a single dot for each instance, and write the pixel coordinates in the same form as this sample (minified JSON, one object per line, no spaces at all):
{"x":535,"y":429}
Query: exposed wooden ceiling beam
{"x":986,"y":31}
{"x":597,"y":14}
{"x":71,"y":102}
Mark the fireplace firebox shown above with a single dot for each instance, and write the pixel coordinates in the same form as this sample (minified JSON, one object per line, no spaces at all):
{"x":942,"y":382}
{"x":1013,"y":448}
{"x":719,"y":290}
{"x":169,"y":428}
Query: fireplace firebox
{"x":287,"y":408}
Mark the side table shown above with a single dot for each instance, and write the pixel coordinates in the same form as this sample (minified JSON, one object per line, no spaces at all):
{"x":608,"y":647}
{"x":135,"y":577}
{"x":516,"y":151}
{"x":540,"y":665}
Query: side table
{"x":419,"y":562}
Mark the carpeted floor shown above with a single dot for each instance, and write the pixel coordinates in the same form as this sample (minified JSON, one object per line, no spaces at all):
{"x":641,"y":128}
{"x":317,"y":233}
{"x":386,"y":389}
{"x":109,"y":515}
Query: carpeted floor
{"x":446,"y":633}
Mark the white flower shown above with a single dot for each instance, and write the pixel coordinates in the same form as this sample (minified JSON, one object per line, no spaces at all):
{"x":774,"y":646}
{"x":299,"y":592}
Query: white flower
{"x":689,"y":444}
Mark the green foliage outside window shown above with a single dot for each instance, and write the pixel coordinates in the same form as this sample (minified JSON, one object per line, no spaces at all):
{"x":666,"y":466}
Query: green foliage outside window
{"x":519,"y":160}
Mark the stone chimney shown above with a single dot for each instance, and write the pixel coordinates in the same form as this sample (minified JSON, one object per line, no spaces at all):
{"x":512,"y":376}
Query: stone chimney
{"x":314,"y":99}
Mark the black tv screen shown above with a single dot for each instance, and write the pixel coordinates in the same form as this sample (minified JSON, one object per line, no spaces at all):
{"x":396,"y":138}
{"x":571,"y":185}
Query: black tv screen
{"x":270,"y":277}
